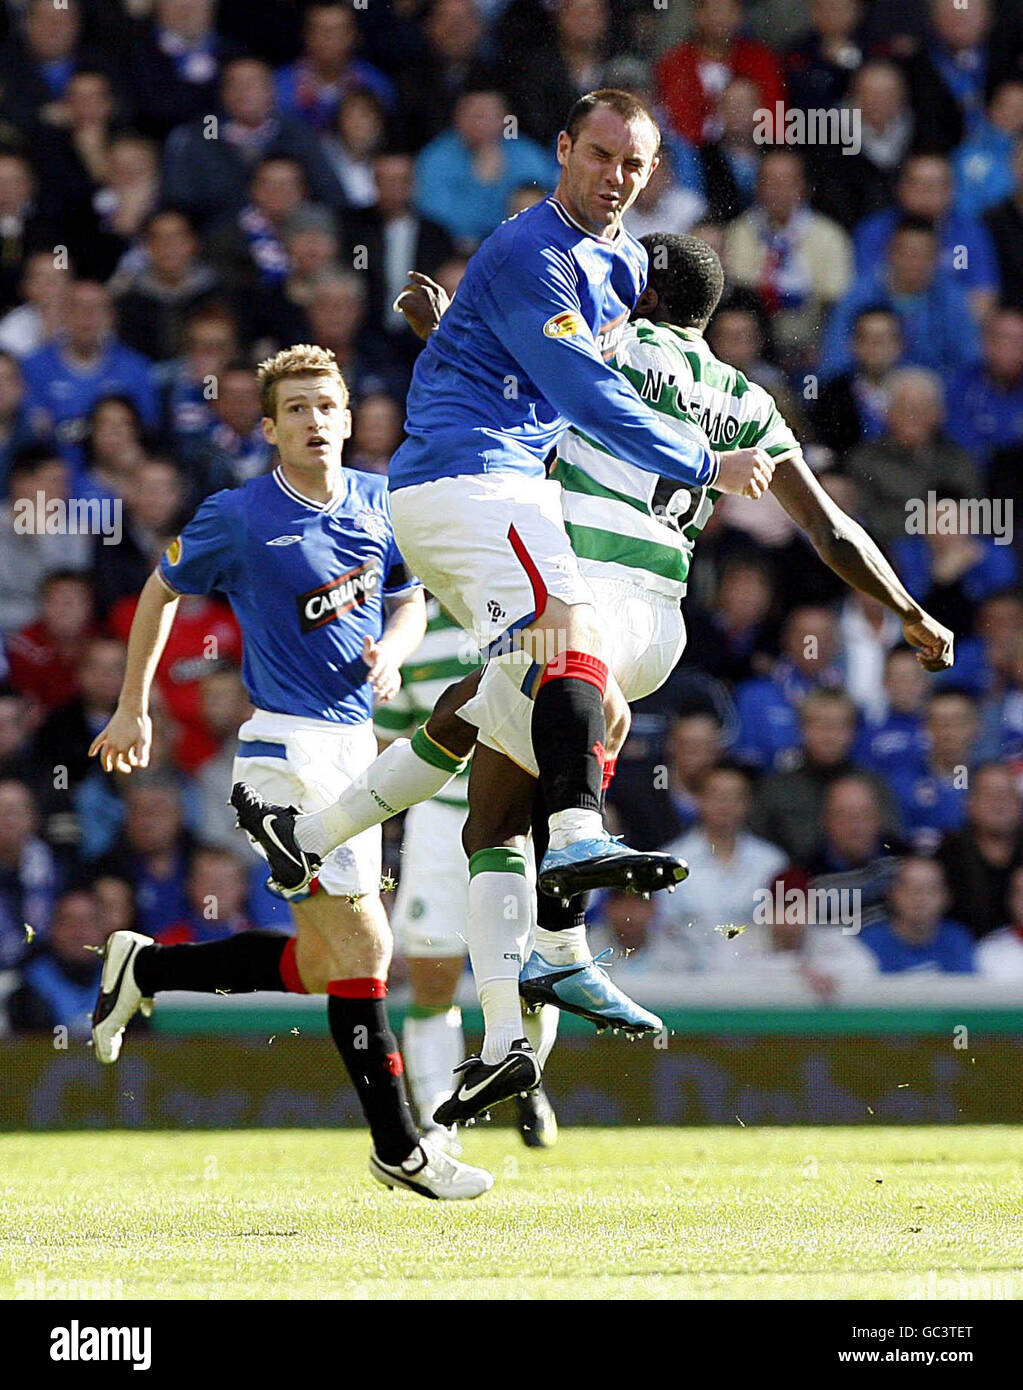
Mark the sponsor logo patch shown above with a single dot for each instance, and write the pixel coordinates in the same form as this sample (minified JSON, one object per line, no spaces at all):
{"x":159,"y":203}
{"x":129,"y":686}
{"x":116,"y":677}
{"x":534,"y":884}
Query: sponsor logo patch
{"x":174,"y":551}
{"x":563,"y":325}
{"x":337,"y":597}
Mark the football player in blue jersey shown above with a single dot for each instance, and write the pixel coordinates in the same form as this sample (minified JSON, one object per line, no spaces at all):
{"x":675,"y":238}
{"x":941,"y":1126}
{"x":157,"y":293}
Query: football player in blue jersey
{"x":521,"y":354}
{"x":307,"y":557}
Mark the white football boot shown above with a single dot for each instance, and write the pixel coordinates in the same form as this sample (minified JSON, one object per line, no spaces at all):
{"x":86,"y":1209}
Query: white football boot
{"x":431,"y":1172}
{"x":119,"y":995}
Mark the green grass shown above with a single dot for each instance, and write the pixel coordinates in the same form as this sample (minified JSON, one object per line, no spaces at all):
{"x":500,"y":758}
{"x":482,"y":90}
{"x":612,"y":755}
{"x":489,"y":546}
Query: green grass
{"x":631,"y":1213}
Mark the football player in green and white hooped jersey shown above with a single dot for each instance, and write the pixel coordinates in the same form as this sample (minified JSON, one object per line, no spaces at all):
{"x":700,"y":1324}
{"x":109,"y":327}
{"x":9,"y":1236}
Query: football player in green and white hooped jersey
{"x":429,"y":914}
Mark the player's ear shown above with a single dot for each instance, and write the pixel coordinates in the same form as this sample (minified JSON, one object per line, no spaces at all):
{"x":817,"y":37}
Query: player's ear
{"x":269,"y":429}
{"x":564,"y":145}
{"x":647,"y":303}
{"x":346,"y":425}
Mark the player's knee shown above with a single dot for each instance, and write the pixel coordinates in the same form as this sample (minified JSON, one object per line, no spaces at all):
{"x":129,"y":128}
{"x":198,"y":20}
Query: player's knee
{"x":499,"y":828}
{"x":618,"y":719}
{"x":444,"y":725}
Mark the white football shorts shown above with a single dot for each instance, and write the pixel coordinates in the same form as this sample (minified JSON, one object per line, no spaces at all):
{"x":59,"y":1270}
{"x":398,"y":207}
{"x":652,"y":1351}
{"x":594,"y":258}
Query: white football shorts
{"x":491,"y":547}
{"x":643,"y":637}
{"x":308,"y":763}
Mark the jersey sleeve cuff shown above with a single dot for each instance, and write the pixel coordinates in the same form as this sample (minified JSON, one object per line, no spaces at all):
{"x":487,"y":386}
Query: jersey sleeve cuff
{"x":166,"y":583}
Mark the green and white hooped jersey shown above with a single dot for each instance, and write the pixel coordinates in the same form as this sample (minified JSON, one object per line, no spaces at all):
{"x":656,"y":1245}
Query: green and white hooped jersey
{"x":625,"y":523}
{"x":444,"y":655}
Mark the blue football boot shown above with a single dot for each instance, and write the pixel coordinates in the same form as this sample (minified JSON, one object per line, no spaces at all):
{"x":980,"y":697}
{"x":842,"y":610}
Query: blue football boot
{"x":585,"y":989}
{"x":604,"y":862}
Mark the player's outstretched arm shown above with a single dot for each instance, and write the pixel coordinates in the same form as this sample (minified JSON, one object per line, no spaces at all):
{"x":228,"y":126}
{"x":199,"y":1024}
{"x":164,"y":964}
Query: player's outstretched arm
{"x":125,"y":742}
{"x":846,"y":548}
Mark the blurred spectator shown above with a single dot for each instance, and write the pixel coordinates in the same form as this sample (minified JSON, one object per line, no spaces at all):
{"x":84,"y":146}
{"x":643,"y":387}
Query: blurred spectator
{"x":788,"y":805}
{"x":376,"y":433}
{"x":848,"y":185}
{"x":557,"y":73}
{"x":215,"y":889}
{"x":925,"y":190}
{"x":114,"y":448}
{"x":898,"y":739}
{"x":797,"y":261}
{"x":1000,"y":954}
{"x":130,"y":192}
{"x":657,"y":802}
{"x":396,"y":240}
{"x":665,"y":202}
{"x":768,"y":706}
{"x":205,"y":635}
{"x":337,"y":320}
{"x":278,"y":306}
{"x":17,"y":723}
{"x":1000,"y":625}
{"x":1005,"y":223}
{"x":737,"y":334}
{"x":29,"y":879}
{"x":932,"y":798}
{"x":821,"y":63}
{"x":176,"y":57}
{"x":23,"y":227}
{"x":465,"y":176}
{"x":153,"y":304}
{"x":867,"y":631}
{"x":692,"y":76}
{"x":327,"y":71}
{"x":45,"y":657}
{"x":918,"y":936}
{"x":730,"y":639}
{"x":40,"y":314}
{"x":982,"y":165}
{"x":37,"y":65}
{"x":224,"y":707}
{"x":645,"y":948}
{"x":16,"y":433}
{"x":360,"y":133}
{"x":155,"y":851}
{"x":210,"y":177}
{"x":911,"y":459}
{"x":451,"y":60}
{"x":950,"y":75}
{"x":59,"y":982}
{"x":727,"y":863}
{"x":67,"y":377}
{"x":235,"y":448}
{"x":211,"y":344}
{"x":853,"y":407}
{"x":153,"y":506}
{"x":246,"y":248}
{"x":115,"y":896}
{"x":937,"y":327}
{"x":979,"y":859}
{"x":729,"y":163}
{"x":38,"y":478}
{"x":950,"y":574}
{"x":856,"y":853}
{"x":986,"y":400}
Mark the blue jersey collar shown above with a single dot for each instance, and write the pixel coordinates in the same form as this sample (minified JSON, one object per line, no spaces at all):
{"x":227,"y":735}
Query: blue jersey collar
{"x":295,"y":495}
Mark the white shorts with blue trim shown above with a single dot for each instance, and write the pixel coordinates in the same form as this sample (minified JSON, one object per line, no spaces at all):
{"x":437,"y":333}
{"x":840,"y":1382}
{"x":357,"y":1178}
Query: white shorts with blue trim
{"x":643,"y":637}
{"x":308,"y":763}
{"x":491,"y":547}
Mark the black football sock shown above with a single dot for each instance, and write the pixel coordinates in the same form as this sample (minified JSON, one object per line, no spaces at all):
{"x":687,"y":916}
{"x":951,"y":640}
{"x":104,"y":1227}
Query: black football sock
{"x":553,"y":914}
{"x":357,"y":1013}
{"x":568,"y":730}
{"x":237,"y":965}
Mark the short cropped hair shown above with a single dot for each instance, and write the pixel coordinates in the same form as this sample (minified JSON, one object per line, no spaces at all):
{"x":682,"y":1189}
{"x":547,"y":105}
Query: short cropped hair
{"x":302,"y":359}
{"x":630,"y":109}
{"x":686,"y":275}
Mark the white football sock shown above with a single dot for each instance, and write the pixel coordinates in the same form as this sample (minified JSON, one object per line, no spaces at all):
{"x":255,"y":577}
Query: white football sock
{"x":433,"y":1047}
{"x":567,"y":947}
{"x":566,"y":827}
{"x":497,"y":927}
{"x":541,"y":1031}
{"x":408,"y":771}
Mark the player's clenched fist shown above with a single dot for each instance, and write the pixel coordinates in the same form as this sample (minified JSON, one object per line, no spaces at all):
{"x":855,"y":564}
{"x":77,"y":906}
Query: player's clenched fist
{"x":745,"y":473}
{"x":934,"y":643}
{"x":125,"y":743}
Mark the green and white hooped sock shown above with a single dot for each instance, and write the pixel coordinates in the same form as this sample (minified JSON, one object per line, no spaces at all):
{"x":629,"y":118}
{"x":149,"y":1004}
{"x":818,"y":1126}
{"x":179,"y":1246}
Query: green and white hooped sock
{"x":406,"y":772}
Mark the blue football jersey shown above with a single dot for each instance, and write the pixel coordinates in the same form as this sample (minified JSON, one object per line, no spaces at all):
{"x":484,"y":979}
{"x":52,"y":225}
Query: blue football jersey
{"x":307,"y":583}
{"x":524,"y":351}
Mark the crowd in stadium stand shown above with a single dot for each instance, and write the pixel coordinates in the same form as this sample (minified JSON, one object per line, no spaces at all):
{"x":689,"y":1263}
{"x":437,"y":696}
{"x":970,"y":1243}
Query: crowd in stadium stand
{"x":186,"y":186}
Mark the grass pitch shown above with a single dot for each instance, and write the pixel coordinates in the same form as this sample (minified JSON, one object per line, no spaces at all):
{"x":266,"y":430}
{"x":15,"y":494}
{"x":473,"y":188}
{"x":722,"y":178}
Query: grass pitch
{"x":623,"y":1213}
